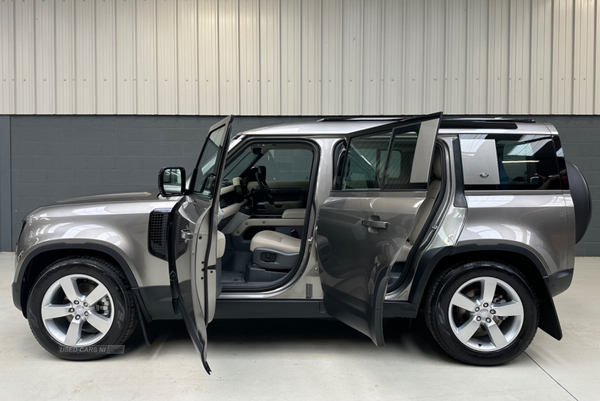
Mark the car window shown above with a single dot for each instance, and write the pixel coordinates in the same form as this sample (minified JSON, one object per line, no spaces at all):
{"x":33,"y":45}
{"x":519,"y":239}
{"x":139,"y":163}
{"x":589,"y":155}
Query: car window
{"x":205,"y":178}
{"x":287,"y":164}
{"x":364,"y":164}
{"x":369,"y":167}
{"x":509,"y":162}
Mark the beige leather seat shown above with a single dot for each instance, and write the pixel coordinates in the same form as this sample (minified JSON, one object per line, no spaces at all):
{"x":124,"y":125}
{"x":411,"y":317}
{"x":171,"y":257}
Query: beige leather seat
{"x":276,"y":241}
{"x":220,"y":244}
{"x":293,"y":214}
{"x":425,"y":208}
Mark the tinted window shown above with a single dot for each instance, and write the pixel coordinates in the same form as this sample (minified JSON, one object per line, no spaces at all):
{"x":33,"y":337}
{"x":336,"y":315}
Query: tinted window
{"x":525,"y":162}
{"x":364,"y":164}
{"x":369,"y":167}
{"x":400,"y":162}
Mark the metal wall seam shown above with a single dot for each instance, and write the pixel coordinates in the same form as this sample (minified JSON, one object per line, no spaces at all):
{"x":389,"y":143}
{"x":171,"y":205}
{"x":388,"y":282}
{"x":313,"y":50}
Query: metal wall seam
{"x":352,"y":56}
{"x":562,"y":57}
{"x":208,"y":58}
{"x":372,"y":56}
{"x":291,"y":56}
{"x":541,"y":57}
{"x":105,"y":57}
{"x":85,"y":57}
{"x":270,"y":56}
{"x":498,"y":63}
{"x":166,"y":56}
{"x":435,"y":56}
{"x":456,"y":57}
{"x":394,"y":52}
{"x":411,"y":58}
{"x":146,"y":75}
{"x":44,"y":66}
{"x":7,"y":57}
{"x":583,"y":57}
{"x":187,"y":57}
{"x":311,"y":57}
{"x":229,"y":57}
{"x":126,"y":71}
{"x":332,"y":58}
{"x":519,"y":57}
{"x":249,"y":44}
{"x":25,"y":57}
{"x":477,"y":62}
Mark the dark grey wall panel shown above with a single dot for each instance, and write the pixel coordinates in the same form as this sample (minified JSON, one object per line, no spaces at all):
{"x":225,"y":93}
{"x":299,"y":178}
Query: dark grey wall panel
{"x":5,"y":185}
{"x":580,"y":136}
{"x":55,"y":157}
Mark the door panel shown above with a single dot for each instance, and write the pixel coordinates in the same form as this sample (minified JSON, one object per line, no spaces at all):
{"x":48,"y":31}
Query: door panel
{"x":361,"y":229}
{"x":192,"y":237}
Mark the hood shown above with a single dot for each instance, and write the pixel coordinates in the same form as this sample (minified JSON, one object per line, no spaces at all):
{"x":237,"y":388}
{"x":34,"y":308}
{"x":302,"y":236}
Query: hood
{"x":117,"y":197}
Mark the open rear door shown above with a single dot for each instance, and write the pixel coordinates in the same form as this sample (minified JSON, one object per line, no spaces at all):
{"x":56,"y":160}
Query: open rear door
{"x":364,"y":225}
{"x":192,"y":236}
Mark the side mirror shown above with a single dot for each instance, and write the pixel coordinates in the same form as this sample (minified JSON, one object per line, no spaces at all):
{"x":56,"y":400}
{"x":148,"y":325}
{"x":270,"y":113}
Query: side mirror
{"x":171,"y":181}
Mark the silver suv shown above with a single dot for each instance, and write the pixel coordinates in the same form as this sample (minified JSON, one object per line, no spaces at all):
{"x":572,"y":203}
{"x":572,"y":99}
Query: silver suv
{"x":471,"y":221}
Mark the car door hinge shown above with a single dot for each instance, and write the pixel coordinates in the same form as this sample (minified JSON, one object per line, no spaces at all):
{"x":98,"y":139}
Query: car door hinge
{"x":186,"y":235}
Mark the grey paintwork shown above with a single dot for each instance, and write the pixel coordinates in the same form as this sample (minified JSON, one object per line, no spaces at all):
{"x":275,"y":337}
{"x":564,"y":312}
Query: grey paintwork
{"x":540,"y":222}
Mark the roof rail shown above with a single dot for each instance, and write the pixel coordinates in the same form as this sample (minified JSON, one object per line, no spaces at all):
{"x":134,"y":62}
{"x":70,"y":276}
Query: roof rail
{"x":450,"y":122}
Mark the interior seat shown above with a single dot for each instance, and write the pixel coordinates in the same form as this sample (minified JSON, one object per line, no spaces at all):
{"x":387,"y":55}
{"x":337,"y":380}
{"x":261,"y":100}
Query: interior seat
{"x":274,"y":251}
{"x":276,"y":241}
{"x":221,"y":242}
{"x":426,"y":207}
{"x":293,"y":214}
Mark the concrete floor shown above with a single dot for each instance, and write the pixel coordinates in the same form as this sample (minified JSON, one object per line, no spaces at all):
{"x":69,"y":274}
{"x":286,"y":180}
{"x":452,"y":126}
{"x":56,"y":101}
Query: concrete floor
{"x":305,"y":360}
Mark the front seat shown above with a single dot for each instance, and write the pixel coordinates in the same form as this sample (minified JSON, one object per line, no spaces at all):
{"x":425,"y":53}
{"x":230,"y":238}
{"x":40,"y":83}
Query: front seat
{"x":426,"y":207}
{"x":273,"y":250}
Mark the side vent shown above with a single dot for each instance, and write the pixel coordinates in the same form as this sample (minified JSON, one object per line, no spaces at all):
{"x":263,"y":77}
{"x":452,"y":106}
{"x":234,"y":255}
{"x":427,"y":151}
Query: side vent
{"x":157,"y":233}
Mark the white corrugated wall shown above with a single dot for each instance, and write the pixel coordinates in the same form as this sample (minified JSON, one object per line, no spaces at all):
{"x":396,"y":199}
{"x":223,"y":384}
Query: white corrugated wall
{"x":299,"y":57}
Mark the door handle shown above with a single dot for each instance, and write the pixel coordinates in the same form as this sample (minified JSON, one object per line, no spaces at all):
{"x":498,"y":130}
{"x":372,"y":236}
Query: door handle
{"x":383,"y":225}
{"x":186,"y":235}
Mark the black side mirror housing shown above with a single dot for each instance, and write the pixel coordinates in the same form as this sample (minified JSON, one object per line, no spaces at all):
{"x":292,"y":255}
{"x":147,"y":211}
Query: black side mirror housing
{"x":171,"y":181}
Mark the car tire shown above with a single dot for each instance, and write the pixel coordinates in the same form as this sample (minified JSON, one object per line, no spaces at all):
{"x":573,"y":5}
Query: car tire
{"x":473,"y":329}
{"x":97,"y":327}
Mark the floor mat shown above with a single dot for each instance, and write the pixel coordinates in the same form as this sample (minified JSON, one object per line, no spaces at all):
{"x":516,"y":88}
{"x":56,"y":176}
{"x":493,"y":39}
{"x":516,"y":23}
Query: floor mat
{"x":232,"y":277}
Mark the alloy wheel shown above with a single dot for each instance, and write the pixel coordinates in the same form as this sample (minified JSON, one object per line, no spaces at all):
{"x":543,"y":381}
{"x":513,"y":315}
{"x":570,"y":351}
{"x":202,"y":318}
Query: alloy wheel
{"x":486,"y":314}
{"x":77,"y":310}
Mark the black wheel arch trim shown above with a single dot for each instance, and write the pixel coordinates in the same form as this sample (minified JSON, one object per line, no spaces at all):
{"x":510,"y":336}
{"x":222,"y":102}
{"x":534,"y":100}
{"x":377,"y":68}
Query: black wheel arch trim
{"x":19,"y":297}
{"x":549,"y":321}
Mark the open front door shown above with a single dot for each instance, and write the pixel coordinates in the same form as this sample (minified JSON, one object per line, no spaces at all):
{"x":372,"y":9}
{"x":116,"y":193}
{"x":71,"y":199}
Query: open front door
{"x":192,"y":238}
{"x":365,"y":225}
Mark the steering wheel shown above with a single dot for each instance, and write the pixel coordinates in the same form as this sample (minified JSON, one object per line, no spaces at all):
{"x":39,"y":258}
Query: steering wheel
{"x":263,"y":187}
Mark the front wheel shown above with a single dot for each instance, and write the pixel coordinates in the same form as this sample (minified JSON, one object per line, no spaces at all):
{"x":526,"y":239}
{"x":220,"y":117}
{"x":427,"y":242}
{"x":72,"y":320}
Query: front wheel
{"x":482,"y":312}
{"x":80,"y":308}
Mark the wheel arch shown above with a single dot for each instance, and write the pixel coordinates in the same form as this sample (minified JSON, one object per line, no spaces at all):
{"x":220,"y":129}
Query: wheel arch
{"x":44,"y":256}
{"x":437,"y":261}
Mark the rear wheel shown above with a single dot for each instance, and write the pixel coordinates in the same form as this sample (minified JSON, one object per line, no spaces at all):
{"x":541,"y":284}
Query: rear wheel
{"x":482,"y":312}
{"x":79,"y":306}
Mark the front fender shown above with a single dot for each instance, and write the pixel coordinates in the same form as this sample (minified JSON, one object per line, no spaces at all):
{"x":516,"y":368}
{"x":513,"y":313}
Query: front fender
{"x":23,"y":266}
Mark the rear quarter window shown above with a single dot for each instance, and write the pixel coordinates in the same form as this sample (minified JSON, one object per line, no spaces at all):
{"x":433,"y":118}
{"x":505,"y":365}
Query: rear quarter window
{"x":513,"y":162}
